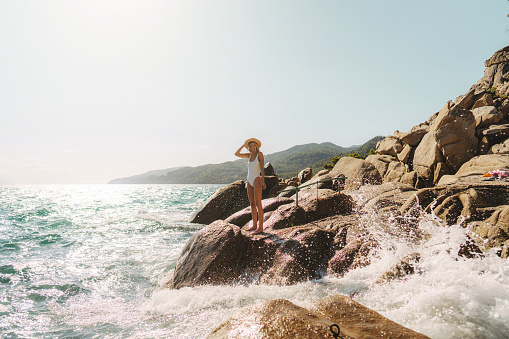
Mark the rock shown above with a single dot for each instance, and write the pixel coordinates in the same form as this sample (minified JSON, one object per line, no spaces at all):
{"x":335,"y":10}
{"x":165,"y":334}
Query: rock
{"x":286,"y":216}
{"x":344,"y":258}
{"x":502,"y":148}
{"x":415,"y":135}
{"x":427,"y":155}
{"x":376,"y":198}
{"x":410,"y":178}
{"x":271,"y":187}
{"x":441,"y":115}
{"x":322,"y":173}
{"x":441,"y":169}
{"x":293,"y":183}
{"x":312,"y":205}
{"x":300,"y":257}
{"x":223,"y":203}
{"x":466,"y":101}
{"x":494,"y":232}
{"x":458,"y":203}
{"x":213,"y":255}
{"x":358,"y":321}
{"x":305,"y":175}
{"x":484,"y":146}
{"x":404,"y":155}
{"x":390,"y":145}
{"x":381,"y":162}
{"x":495,"y":132}
{"x":280,"y":318}
{"x":406,"y":266}
{"x":485,"y":100}
{"x":274,"y":190}
{"x":269,"y":169}
{"x":395,"y":171}
{"x":484,"y":163}
{"x":486,"y":115}
{"x":358,"y":172}
{"x":241,"y":217}
{"x":322,"y":203}
{"x":449,"y":210}
{"x":455,"y":136}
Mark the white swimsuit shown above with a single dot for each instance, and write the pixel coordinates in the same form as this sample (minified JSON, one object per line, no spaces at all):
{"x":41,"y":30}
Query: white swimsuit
{"x":253,"y":170}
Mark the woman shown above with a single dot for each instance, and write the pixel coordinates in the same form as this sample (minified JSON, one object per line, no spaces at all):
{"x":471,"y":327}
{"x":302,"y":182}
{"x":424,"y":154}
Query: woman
{"x":255,"y":181}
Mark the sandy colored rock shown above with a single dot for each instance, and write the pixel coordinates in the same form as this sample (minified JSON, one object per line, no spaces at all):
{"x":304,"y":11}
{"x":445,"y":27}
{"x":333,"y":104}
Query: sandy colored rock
{"x":487,"y":115}
{"x":415,"y":135}
{"x":485,"y":100}
{"x":404,"y":155}
{"x":466,"y":100}
{"x":281,"y":319}
{"x":395,"y":171}
{"x":485,"y":163}
{"x":455,"y":136}
{"x":381,"y":162}
{"x":427,"y":155}
{"x":359,"y":172}
{"x":494,"y":232}
{"x":502,"y":148}
{"x":390,"y":145}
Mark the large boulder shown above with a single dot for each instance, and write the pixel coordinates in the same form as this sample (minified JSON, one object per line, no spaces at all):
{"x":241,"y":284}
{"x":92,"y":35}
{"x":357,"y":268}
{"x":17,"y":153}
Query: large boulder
{"x":472,"y":170}
{"x":427,"y":155}
{"x":213,"y":255}
{"x":455,"y":136}
{"x":281,"y":319}
{"x":487,"y":115}
{"x":359,"y":172}
{"x":223,"y":203}
{"x":390,"y":145}
{"x":415,"y":135}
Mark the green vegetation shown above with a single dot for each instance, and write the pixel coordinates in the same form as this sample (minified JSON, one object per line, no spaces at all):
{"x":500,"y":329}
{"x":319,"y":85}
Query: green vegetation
{"x":360,"y":153}
{"x":287,"y":164}
{"x":494,"y":94}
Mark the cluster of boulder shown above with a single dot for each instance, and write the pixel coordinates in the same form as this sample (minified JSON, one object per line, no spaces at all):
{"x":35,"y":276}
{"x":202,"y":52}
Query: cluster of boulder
{"x":435,"y":168}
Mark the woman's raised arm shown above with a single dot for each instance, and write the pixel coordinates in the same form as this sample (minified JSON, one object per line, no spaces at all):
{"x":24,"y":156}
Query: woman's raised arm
{"x":242,"y":155}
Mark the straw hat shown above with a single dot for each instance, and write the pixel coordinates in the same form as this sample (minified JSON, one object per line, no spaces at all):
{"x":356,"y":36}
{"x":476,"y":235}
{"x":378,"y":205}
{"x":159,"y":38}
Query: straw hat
{"x":252,"y":139}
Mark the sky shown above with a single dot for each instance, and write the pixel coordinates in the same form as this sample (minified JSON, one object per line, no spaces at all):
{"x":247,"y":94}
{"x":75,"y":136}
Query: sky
{"x":95,"y":90}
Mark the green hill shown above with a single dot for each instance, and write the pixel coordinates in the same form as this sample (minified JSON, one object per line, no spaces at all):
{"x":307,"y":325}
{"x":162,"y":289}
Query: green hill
{"x":287,"y":164}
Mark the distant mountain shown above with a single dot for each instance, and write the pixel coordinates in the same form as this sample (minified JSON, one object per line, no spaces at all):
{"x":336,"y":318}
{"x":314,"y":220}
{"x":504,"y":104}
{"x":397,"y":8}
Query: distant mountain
{"x":287,"y":163}
{"x":149,"y":177}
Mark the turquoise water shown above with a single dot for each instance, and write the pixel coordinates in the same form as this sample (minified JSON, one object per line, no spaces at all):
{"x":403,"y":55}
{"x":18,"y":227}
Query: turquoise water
{"x":91,"y":261}
{"x":78,"y":260}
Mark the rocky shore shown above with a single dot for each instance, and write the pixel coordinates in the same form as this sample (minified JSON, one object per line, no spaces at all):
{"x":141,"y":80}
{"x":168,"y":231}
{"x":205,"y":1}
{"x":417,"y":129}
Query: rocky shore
{"x":435,"y":168}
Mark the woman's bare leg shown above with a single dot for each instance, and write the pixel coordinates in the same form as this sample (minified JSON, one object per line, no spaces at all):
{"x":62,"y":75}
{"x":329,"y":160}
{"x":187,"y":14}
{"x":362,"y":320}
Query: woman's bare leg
{"x":254,"y":212}
{"x":258,"y":205}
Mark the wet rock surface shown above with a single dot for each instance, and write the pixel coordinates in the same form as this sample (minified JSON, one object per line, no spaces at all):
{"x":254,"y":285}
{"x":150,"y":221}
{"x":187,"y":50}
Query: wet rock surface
{"x":280,"y":318}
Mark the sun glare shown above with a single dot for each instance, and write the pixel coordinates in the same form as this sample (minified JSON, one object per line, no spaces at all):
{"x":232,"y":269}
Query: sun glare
{"x":121,"y":10}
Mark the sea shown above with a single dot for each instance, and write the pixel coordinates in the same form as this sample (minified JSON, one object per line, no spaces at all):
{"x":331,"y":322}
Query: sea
{"x":91,"y":261}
